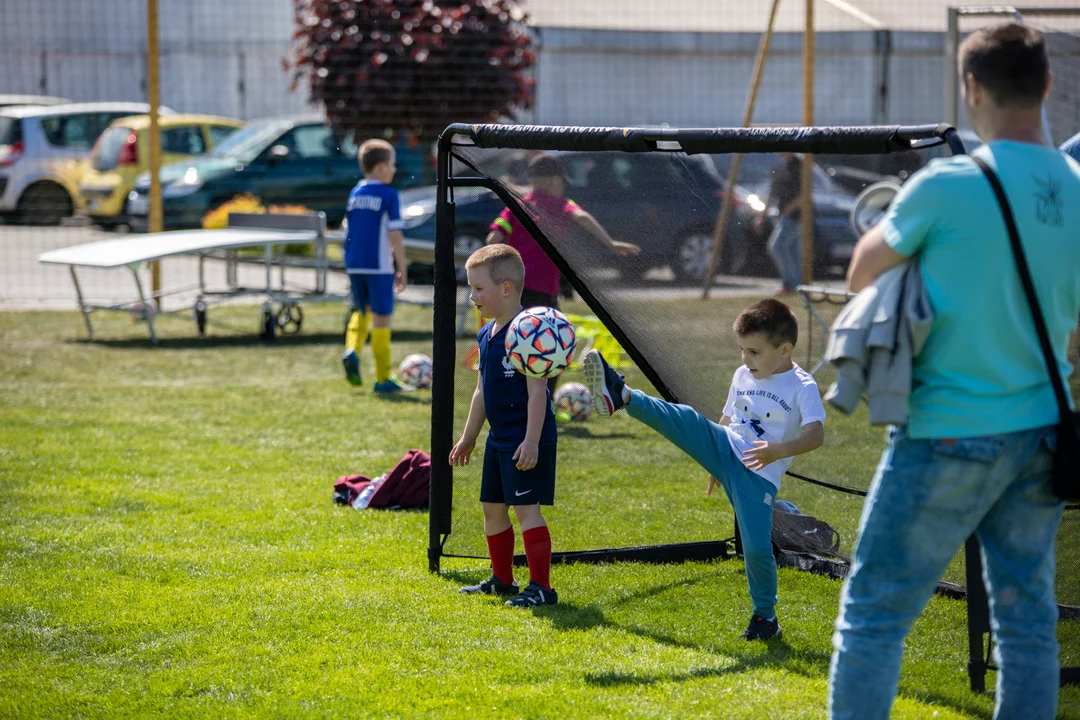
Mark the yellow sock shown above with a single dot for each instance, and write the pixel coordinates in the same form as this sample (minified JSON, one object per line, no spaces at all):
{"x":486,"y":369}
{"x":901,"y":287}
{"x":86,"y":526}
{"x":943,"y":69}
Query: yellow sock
{"x":380,"y":348}
{"x":356,"y":334}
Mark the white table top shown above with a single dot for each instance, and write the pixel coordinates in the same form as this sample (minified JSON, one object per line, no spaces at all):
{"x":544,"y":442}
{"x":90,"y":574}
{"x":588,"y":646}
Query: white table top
{"x":136,"y":249}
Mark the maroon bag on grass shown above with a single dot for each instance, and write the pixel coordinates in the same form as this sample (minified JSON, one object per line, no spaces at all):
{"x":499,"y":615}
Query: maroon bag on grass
{"x":406,"y":486}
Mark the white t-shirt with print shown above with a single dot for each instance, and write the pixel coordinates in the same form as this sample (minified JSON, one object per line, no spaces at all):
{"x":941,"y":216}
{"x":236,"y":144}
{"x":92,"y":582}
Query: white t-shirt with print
{"x":774,"y":409}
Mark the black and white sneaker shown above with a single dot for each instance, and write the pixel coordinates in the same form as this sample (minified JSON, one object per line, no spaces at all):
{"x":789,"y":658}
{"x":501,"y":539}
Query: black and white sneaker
{"x":605,"y":384}
{"x":534,"y":595}
{"x":491,"y":586}
{"x":762,"y":629}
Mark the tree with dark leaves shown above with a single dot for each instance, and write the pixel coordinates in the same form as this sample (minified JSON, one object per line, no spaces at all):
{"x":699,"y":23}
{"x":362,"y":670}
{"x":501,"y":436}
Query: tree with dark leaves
{"x":381,"y":67}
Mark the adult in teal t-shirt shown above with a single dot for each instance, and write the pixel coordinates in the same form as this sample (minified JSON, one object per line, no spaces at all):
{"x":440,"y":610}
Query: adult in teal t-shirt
{"x":977,"y":452}
{"x":981,"y":371}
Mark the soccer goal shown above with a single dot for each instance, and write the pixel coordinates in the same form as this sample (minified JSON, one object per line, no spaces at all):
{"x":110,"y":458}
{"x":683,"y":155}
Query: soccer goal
{"x":622,"y":492}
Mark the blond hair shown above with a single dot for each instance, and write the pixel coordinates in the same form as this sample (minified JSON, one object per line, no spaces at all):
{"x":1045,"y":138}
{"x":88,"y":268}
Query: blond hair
{"x":503,"y":263}
{"x":374,"y":152}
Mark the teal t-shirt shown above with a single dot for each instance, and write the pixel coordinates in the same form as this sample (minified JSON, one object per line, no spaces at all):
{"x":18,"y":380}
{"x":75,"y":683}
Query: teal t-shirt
{"x":981,"y":371}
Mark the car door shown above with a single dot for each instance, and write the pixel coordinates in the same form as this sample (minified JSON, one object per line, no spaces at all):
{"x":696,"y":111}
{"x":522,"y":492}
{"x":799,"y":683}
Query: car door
{"x":307,"y":167}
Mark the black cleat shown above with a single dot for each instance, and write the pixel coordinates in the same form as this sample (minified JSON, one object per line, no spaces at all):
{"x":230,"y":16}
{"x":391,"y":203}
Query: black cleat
{"x":534,"y":595}
{"x":491,"y":586}
{"x":762,"y":629}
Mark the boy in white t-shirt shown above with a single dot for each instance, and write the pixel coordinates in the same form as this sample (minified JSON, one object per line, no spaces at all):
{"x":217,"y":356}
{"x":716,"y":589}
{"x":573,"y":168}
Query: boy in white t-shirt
{"x":773,"y":412}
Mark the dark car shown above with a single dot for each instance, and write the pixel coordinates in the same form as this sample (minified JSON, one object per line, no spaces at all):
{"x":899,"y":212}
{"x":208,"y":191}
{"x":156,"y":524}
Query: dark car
{"x":294,"y":161}
{"x":855,"y":172}
{"x":834,"y":240}
{"x":666,"y":203}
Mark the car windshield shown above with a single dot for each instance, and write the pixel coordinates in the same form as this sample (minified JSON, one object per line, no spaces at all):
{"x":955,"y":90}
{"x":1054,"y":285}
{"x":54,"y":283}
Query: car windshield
{"x":107,"y":152}
{"x":246,"y":143}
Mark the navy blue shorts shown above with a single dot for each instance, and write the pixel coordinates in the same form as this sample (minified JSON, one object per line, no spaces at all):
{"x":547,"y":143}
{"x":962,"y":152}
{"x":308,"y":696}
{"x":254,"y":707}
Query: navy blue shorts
{"x":503,"y":483}
{"x":373,"y":291}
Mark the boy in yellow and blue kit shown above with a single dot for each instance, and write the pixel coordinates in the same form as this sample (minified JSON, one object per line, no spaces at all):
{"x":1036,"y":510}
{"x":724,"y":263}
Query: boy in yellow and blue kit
{"x":375,"y":263}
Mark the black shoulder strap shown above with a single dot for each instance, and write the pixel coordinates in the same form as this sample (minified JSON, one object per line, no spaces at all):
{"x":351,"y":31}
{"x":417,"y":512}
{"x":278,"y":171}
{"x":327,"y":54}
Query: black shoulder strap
{"x":1029,"y":287}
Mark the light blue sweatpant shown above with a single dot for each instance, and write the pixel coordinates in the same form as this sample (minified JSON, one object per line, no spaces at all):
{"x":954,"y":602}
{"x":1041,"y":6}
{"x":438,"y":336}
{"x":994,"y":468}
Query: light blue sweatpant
{"x":750,"y":494}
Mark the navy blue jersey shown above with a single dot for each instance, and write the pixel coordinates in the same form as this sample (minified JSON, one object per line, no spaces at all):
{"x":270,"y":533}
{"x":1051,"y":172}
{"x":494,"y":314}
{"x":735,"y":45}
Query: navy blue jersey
{"x":373,"y":211}
{"x":506,"y":395}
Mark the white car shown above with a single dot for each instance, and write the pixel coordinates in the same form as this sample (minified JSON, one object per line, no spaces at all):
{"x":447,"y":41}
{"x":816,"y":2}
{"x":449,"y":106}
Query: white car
{"x":42,"y":149}
{"x":12,"y":100}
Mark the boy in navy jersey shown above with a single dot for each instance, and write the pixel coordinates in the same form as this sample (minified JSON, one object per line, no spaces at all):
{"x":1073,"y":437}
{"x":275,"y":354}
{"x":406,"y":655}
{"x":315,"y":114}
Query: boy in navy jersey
{"x":374,"y":261}
{"x":519,"y":460}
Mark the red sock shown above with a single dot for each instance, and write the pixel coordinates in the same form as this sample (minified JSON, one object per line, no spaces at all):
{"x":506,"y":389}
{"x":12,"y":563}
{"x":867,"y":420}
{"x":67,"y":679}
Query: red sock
{"x":538,"y":552}
{"x":501,"y":549}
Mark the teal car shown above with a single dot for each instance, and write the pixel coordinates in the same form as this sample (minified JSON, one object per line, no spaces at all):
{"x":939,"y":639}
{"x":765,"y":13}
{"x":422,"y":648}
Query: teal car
{"x":282,"y":161}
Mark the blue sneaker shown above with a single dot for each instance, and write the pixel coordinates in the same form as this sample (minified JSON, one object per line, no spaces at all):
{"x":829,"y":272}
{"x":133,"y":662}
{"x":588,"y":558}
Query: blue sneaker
{"x":388,"y":388}
{"x":605,"y":384}
{"x":352,"y":367}
{"x":534,"y":595}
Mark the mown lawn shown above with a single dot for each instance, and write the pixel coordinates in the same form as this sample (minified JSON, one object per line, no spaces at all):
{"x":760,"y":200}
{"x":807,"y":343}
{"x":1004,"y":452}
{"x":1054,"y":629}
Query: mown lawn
{"x":168,"y":547}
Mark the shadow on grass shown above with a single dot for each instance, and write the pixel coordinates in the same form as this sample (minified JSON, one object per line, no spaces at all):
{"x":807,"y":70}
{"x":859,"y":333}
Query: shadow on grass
{"x":743,"y":656}
{"x":584,"y":432}
{"x":241,"y":340}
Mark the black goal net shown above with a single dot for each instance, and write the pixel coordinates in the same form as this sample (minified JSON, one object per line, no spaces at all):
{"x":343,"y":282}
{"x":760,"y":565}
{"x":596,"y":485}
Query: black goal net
{"x":697,"y":204}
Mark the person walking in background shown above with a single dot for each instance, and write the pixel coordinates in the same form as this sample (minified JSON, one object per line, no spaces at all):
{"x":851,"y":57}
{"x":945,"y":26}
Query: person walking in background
{"x":375,"y":263}
{"x":785,"y":241}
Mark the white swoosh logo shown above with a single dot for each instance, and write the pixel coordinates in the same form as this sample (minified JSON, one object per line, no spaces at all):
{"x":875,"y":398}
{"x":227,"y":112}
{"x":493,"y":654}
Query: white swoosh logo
{"x":519,"y":494}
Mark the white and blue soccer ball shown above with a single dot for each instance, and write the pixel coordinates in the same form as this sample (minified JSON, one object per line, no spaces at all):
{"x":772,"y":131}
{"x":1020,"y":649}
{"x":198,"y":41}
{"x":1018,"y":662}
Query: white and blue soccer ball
{"x":540,"y":342}
{"x":573,"y":402}
{"x":415,"y":371}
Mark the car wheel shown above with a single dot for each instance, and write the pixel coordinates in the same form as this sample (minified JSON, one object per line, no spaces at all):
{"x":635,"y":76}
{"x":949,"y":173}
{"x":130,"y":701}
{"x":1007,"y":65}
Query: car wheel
{"x":45,"y":203}
{"x":466,"y":243}
{"x":691,"y":259}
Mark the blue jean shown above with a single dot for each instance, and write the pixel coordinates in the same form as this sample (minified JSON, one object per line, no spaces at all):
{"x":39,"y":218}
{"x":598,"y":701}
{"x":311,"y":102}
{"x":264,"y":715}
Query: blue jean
{"x":785,"y":247}
{"x":750,"y":494}
{"x":927,"y":497}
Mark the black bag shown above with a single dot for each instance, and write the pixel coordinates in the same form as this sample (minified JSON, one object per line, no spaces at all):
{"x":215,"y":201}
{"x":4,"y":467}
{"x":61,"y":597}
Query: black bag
{"x":1066,"y":474}
{"x":794,"y":532}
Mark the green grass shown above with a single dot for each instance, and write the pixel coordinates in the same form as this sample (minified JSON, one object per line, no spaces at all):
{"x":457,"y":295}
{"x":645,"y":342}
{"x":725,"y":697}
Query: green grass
{"x":168,"y":547}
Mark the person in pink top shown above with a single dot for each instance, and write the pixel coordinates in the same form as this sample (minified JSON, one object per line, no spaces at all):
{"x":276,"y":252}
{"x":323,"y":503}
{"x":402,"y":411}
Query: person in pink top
{"x":548,"y":180}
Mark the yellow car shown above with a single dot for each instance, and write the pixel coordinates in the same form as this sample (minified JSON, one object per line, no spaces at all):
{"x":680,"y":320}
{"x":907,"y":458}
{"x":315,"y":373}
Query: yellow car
{"x":123,"y":152}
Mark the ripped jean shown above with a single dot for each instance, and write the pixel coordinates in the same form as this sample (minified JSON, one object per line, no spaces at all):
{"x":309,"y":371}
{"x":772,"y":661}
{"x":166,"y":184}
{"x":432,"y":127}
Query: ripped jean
{"x":927,"y":497}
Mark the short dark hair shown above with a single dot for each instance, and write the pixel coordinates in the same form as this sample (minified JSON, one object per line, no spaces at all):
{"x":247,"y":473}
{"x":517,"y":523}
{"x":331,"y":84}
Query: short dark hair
{"x":1010,"y":61}
{"x":770,"y":317}
{"x":373,"y":153}
{"x":545,"y":165}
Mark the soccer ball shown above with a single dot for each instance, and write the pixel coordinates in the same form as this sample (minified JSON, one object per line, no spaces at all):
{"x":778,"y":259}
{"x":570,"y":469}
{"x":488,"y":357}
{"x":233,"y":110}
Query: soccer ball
{"x":540,"y":342}
{"x":572,"y":401}
{"x":415,"y":370}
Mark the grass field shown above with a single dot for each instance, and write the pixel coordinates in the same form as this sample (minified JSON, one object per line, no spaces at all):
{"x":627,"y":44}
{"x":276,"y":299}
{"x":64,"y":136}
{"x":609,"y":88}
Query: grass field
{"x":168,"y":547}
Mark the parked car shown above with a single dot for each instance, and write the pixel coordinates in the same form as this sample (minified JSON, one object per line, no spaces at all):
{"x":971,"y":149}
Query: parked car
{"x":10,"y":100}
{"x":294,"y":161}
{"x":123,"y":152}
{"x":834,"y":240}
{"x":42,"y":149}
{"x":667,"y":204}
{"x":855,"y":172}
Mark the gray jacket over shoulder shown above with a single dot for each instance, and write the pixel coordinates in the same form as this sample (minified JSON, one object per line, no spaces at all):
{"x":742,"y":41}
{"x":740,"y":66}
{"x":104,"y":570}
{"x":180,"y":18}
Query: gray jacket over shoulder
{"x":873,"y":342}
